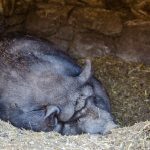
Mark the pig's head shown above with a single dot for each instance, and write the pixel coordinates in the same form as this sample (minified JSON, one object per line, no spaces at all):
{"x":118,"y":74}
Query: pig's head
{"x":92,"y":110}
{"x":76,"y":99}
{"x":91,"y":119}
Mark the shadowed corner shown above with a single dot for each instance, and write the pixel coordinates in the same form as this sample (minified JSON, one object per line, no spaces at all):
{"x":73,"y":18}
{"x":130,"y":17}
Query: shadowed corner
{"x":2,"y":24}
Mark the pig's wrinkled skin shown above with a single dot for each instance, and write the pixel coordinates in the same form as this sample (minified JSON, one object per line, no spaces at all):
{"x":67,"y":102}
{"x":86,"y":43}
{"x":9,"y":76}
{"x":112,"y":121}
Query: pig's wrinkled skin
{"x":43,"y":89}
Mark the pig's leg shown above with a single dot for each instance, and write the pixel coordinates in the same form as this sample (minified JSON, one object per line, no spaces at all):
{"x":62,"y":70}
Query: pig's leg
{"x":36,"y":120}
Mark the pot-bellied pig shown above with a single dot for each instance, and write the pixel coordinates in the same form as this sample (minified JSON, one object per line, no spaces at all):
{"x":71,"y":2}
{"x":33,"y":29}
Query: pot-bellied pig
{"x":43,"y":89}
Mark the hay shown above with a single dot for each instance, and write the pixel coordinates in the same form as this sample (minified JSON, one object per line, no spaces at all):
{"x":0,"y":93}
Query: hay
{"x":135,"y":137}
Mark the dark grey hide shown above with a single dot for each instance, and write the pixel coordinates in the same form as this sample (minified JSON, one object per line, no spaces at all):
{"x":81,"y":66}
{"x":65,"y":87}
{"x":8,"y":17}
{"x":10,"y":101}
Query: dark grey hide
{"x":43,"y":89}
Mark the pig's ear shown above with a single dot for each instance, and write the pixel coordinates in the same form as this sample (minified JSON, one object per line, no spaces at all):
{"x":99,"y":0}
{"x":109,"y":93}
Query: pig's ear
{"x":51,"y":110}
{"x":86,"y":72}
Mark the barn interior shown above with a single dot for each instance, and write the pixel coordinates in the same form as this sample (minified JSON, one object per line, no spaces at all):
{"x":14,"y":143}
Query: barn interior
{"x":115,"y":35}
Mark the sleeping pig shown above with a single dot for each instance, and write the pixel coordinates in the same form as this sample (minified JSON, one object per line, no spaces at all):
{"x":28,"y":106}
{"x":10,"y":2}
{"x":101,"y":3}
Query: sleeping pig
{"x":44,"y":89}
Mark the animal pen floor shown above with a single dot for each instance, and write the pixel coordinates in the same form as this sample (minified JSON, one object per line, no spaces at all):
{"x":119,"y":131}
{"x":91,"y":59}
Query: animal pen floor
{"x":128,"y":85}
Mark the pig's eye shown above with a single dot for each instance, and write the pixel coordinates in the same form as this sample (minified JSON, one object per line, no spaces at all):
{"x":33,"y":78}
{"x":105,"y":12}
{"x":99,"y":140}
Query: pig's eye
{"x":95,"y":100}
{"x":43,"y":107}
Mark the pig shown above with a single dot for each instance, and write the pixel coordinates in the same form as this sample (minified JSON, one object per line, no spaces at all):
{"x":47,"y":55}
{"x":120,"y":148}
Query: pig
{"x":44,"y":89}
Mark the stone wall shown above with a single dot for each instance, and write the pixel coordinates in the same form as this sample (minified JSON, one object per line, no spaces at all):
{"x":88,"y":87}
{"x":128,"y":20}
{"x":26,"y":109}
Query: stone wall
{"x":84,"y":28}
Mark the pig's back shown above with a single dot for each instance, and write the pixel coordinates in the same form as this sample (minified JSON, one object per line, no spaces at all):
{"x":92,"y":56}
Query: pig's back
{"x":24,"y":51}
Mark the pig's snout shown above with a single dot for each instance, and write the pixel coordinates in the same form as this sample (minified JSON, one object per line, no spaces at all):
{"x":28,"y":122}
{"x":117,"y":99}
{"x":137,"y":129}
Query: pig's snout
{"x":66,"y":112}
